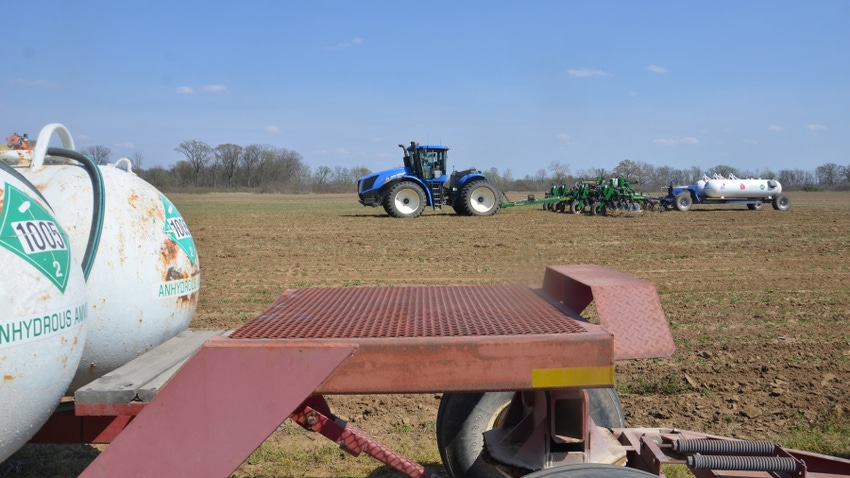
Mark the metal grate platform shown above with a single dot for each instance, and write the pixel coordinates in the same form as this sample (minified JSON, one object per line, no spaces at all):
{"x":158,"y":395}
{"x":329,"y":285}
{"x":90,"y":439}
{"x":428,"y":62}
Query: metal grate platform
{"x":409,"y":312}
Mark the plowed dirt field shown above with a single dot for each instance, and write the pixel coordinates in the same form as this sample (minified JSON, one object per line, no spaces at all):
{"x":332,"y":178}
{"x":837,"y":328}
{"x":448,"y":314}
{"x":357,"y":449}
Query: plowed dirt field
{"x":758,"y":303}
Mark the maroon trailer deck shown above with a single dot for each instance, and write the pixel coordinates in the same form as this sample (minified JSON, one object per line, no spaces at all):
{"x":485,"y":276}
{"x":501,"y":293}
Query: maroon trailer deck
{"x":238,"y":387}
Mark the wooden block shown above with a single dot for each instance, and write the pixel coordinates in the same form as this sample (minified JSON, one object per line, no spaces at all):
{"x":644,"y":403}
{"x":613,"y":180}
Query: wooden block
{"x":140,"y":378}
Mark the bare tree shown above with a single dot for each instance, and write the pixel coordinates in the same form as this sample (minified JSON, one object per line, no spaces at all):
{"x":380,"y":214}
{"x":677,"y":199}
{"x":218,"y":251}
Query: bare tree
{"x":98,"y":153}
{"x":629,"y":170}
{"x":828,"y":174}
{"x":137,"y":160}
{"x":559,"y":171}
{"x":198,"y":155}
{"x":725,"y":171}
{"x":250,"y":158}
{"x":321,"y":177}
{"x":228,"y":156}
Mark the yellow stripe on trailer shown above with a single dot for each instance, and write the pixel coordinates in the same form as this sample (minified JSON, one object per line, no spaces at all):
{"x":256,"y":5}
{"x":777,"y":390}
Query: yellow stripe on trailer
{"x":572,"y":377}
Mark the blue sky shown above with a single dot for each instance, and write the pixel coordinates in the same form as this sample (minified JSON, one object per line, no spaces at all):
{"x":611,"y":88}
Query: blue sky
{"x":513,"y":85}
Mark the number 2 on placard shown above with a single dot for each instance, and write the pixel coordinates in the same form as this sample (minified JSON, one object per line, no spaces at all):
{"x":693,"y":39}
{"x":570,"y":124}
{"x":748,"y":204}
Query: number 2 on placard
{"x":58,"y":268}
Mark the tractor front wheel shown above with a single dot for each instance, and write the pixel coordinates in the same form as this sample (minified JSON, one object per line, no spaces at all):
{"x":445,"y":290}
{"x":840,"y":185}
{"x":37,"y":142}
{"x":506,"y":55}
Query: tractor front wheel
{"x":479,"y":198}
{"x":405,"y":199}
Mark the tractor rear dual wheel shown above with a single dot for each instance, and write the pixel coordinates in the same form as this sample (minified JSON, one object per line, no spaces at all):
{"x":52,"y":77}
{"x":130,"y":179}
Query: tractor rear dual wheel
{"x":479,"y":198}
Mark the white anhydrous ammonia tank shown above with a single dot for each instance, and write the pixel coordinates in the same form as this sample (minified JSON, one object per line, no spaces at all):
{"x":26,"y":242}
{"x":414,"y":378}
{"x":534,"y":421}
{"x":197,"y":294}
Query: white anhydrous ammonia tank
{"x":144,"y":280}
{"x":741,"y":188}
{"x":42,"y":312}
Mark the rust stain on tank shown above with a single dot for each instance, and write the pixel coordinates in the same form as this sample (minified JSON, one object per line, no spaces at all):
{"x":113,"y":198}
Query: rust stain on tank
{"x":168,"y":254}
{"x":174,"y":274}
{"x":8,"y":378}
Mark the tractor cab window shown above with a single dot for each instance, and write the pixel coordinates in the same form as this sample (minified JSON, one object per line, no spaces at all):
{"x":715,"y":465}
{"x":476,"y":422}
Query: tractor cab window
{"x":432,"y":163}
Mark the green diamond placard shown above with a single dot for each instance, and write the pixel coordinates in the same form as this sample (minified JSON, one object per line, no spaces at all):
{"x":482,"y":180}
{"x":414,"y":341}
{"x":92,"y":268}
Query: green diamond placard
{"x":30,"y":232}
{"x":176,"y":229}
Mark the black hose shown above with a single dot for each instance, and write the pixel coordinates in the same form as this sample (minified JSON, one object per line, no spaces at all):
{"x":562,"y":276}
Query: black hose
{"x":98,"y":203}
{"x":20,"y":177}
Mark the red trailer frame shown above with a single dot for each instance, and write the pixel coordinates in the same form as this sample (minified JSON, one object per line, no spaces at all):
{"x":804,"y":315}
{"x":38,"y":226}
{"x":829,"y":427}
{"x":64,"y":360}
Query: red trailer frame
{"x":204,"y":412}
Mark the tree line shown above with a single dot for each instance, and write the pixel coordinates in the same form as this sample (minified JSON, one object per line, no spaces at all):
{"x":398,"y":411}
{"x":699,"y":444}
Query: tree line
{"x":265,"y":168}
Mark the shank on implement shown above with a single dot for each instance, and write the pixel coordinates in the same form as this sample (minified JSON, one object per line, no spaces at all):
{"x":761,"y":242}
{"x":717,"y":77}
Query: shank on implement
{"x":202,"y":408}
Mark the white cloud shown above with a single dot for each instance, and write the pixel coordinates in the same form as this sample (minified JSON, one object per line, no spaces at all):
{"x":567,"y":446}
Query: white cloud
{"x":815,"y":127}
{"x":751,"y":141}
{"x":375,"y":140}
{"x":215,"y":89}
{"x":633,"y":93}
{"x":674,"y":142}
{"x":346,"y":44}
{"x":584,"y":72}
{"x":36,"y":83}
{"x":657,"y":69}
{"x":564,"y":137}
{"x":272,"y":129}
{"x":185,"y":90}
{"x":776,"y":128}
{"x":342,"y":152}
{"x":125,"y":145}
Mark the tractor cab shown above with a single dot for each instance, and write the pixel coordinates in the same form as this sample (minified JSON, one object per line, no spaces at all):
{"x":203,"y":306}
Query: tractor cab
{"x":425,"y":162}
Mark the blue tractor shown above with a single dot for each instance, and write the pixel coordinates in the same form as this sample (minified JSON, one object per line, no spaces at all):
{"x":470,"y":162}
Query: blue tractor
{"x":404,"y":192}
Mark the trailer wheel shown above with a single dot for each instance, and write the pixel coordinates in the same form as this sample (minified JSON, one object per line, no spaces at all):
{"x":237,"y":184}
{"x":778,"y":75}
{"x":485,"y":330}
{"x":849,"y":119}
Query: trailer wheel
{"x":781,"y":202}
{"x":463,"y":417}
{"x":479,"y":198}
{"x":405,"y":199}
{"x":590,"y":470}
{"x":683,"y":201}
{"x":755,"y":206}
{"x":574,"y":207}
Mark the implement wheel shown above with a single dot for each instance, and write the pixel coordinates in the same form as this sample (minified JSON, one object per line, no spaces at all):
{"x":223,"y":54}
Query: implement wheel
{"x":405,"y":199}
{"x":479,"y":198}
{"x":755,"y":206}
{"x":463,"y":417}
{"x":590,"y":470}
{"x":597,"y":209}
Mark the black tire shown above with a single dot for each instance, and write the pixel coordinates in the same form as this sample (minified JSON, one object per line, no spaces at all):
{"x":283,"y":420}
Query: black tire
{"x":405,"y":200}
{"x":781,"y":202}
{"x":479,"y":198}
{"x":464,"y":417}
{"x":683,"y":201}
{"x":755,"y":206}
{"x":590,"y":470}
{"x":574,"y":207}
{"x":597,"y":209}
